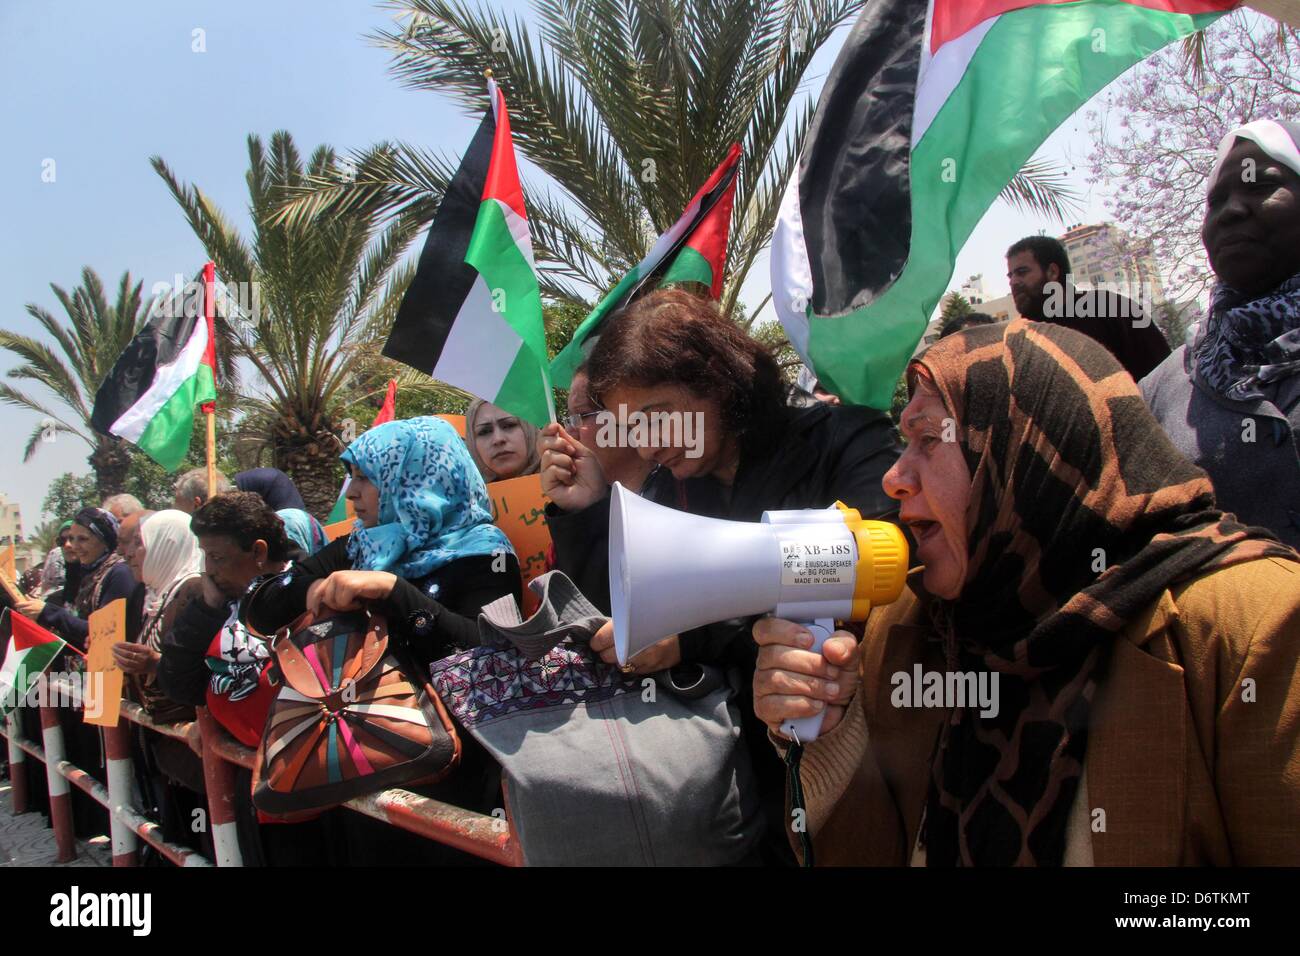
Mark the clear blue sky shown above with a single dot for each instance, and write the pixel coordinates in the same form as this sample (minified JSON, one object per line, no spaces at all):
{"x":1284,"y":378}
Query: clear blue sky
{"x":100,"y":86}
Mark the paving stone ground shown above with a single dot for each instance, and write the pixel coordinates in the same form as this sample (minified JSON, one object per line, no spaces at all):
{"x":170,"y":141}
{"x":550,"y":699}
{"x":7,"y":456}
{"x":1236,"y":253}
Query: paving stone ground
{"x":26,"y":841}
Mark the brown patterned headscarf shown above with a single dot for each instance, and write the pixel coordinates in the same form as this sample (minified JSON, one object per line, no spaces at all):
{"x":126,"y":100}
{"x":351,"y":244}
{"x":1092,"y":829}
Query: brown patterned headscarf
{"x":1082,"y":513}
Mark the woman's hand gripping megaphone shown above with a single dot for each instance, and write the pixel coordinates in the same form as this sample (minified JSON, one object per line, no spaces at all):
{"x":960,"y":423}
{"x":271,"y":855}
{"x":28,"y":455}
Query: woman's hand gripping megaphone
{"x":571,"y":473}
{"x":793,"y":682}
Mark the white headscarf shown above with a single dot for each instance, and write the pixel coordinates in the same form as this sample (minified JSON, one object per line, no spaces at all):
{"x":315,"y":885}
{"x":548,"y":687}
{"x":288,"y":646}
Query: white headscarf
{"x":1279,"y":139}
{"x":171,"y":556}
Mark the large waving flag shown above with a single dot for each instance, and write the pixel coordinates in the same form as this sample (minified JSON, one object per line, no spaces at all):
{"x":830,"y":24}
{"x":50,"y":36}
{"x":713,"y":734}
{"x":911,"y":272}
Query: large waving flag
{"x":472,"y":316}
{"x":930,"y":110}
{"x":30,"y":650}
{"x":342,"y":510}
{"x":149,"y":396}
{"x":694,"y":249}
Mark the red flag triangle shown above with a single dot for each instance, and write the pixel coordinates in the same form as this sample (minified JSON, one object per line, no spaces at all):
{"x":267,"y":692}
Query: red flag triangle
{"x":389,"y":409}
{"x":28,"y":634}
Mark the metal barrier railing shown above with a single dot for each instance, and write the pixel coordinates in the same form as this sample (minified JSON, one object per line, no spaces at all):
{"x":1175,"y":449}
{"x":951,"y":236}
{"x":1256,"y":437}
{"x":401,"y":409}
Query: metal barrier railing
{"x":488,"y":837}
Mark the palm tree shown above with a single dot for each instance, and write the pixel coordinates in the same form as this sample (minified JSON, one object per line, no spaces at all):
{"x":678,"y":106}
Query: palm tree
{"x":627,"y":105}
{"x":45,"y":536}
{"x":95,"y":334}
{"x":325,"y":291}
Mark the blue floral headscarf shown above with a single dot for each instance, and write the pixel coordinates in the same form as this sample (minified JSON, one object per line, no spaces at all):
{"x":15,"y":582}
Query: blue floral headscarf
{"x":433,"y":505}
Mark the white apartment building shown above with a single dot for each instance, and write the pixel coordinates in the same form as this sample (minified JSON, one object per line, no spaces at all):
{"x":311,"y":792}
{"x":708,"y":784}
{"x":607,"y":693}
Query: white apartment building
{"x":1104,"y":254}
{"x":11,"y":521}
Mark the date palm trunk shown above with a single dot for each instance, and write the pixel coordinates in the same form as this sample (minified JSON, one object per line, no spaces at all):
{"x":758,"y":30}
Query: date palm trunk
{"x":110,"y":461}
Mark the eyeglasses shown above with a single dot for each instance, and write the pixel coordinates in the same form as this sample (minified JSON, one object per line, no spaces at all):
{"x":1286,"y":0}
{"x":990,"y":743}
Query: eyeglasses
{"x":573,"y":421}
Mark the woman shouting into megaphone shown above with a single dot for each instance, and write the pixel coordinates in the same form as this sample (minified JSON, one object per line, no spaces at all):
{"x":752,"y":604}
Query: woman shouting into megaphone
{"x":1072,"y":678}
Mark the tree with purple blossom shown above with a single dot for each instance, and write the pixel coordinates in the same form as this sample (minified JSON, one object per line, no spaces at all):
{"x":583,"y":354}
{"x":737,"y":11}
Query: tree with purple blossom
{"x":1156,"y":131}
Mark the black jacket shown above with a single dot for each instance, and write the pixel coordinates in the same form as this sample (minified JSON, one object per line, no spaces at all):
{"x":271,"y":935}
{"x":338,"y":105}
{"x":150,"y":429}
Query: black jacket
{"x":63,"y":621}
{"x":432,"y":627}
{"x":811,"y":458}
{"x":183,"y":669}
{"x":1118,"y":323}
{"x":436,"y":615}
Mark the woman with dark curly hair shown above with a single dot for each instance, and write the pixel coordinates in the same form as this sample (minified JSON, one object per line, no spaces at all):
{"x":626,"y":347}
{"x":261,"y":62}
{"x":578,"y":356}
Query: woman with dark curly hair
{"x":208,"y":657}
{"x":728,"y":441}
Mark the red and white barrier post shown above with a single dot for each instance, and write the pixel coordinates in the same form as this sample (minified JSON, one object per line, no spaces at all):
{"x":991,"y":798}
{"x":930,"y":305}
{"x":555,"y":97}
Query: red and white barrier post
{"x":117,"y":751}
{"x":219,"y":778}
{"x":65,"y":840}
{"x":17,"y":766}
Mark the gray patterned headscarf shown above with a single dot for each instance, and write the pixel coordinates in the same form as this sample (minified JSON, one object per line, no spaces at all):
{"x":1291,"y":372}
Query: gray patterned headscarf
{"x":1250,"y":343}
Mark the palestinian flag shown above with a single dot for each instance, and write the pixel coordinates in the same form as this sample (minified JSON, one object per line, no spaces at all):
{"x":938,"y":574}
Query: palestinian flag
{"x":31,"y":649}
{"x":694,"y":249}
{"x":149,"y":396}
{"x":930,"y":110}
{"x":472,"y":316}
{"x":342,"y":510}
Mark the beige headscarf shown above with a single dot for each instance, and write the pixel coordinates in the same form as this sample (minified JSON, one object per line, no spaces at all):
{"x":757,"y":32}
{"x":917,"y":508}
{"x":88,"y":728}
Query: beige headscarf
{"x":531,"y":467}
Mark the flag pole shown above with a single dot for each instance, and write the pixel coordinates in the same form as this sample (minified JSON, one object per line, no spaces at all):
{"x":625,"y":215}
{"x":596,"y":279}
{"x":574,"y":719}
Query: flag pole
{"x":211,"y":417}
{"x":209,"y":408}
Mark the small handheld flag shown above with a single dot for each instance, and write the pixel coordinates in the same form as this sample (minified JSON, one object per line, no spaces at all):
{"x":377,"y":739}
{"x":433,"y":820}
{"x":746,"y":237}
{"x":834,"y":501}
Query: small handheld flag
{"x":149,"y":396}
{"x":30,"y":649}
{"x":694,"y":249}
{"x":472,"y":316}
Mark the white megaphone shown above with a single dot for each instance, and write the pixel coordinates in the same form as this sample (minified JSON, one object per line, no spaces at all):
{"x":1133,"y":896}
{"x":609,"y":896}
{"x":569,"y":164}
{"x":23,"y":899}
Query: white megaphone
{"x":671,"y":571}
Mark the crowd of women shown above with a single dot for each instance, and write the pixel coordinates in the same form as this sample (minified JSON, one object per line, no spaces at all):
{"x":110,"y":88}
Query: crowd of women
{"x":1074,"y":534}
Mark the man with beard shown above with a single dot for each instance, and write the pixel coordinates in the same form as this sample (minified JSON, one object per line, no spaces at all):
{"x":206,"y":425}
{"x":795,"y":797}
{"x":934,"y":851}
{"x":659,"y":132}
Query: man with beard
{"x":1038,"y":269}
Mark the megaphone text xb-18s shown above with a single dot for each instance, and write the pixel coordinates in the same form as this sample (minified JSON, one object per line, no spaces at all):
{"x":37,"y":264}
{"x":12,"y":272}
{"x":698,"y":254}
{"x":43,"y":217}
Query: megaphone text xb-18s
{"x":671,"y":571}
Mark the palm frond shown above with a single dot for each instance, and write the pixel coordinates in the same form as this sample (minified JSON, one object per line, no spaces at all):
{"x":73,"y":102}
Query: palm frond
{"x":1041,"y":187}
{"x":41,"y":434}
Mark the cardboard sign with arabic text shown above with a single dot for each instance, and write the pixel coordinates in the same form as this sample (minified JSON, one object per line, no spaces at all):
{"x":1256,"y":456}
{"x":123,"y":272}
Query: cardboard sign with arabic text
{"x":456,"y":421}
{"x":103,"y":695}
{"x":339,"y":528}
{"x":518,"y":510}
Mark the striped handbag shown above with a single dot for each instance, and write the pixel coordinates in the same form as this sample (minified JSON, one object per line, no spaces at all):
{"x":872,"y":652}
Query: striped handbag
{"x":348,"y":719}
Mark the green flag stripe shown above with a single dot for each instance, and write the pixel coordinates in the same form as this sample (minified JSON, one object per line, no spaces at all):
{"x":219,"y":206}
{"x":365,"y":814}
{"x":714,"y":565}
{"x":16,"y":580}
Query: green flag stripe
{"x":494,"y":252}
{"x":522,"y":391}
{"x":566,"y":363}
{"x":1045,"y":51}
{"x":339,"y":512}
{"x":689,"y":266}
{"x":18,"y":676}
{"x":166,"y":439}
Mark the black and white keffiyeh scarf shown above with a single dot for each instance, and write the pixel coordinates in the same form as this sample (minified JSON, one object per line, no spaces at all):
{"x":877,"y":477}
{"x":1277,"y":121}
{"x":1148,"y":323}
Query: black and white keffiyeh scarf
{"x":1249,"y":344}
